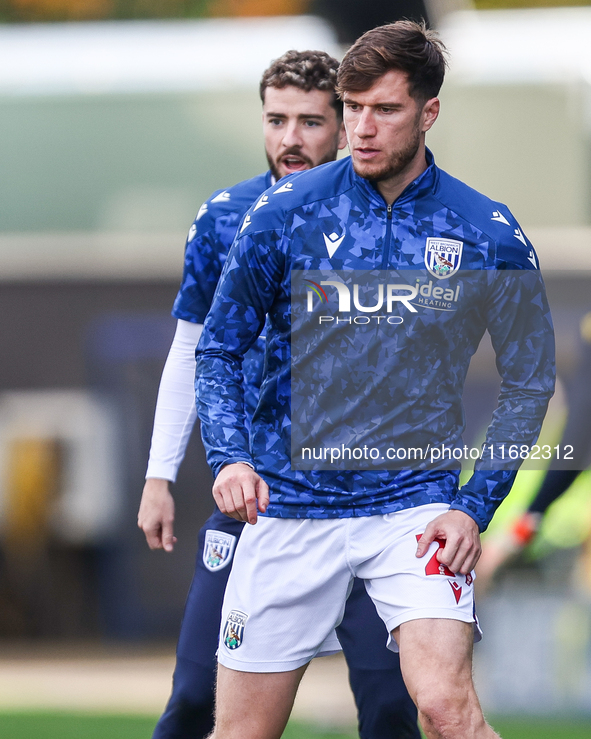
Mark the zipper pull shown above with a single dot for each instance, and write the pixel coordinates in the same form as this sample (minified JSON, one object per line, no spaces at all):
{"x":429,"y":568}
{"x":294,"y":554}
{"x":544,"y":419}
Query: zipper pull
{"x":389,"y":212}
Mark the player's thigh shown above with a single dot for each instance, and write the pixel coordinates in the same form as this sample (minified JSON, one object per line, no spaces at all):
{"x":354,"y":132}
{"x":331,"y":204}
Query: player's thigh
{"x":285,"y":595}
{"x":244,"y":701}
{"x":436,"y":662}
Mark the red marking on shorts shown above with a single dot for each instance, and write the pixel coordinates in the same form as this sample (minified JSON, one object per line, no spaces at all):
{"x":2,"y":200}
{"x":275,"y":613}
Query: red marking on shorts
{"x":469,"y":579}
{"x":457,"y":590}
{"x":434,"y":567}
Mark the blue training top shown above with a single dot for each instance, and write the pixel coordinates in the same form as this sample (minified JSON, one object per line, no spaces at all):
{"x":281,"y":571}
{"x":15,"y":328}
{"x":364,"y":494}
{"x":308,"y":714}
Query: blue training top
{"x":330,"y":220}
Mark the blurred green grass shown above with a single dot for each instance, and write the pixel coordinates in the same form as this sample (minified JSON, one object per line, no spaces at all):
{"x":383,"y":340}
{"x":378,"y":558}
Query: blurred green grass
{"x":54,"y":725}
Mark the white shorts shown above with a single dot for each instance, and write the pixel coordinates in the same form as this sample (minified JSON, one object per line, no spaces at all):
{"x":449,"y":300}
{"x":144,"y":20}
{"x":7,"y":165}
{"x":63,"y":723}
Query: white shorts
{"x":291,"y":578}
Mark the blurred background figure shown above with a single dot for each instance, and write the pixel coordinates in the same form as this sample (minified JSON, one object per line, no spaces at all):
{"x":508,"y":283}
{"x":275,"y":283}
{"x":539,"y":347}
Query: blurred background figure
{"x":117,"y":119}
{"x":571,"y":456}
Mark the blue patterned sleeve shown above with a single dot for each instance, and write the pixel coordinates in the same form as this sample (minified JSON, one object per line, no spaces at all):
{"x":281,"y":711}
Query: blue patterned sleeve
{"x":201,"y":271}
{"x":245,"y":293}
{"x":520,"y":326}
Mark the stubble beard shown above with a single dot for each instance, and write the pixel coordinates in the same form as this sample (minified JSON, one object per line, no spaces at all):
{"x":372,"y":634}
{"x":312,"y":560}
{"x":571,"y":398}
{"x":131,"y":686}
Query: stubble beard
{"x":398,"y":162}
{"x":330,"y":156}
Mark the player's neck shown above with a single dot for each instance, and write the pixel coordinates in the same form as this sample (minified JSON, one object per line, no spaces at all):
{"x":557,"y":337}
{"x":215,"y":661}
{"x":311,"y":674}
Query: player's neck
{"x":392,"y":188}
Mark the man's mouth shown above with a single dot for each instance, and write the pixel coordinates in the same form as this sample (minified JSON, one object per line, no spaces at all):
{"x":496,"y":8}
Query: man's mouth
{"x":294,"y":163}
{"x":366,"y":153}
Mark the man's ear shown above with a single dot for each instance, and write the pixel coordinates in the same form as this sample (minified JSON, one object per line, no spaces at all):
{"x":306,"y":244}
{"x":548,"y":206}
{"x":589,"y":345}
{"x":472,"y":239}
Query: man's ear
{"x":430,"y":113}
{"x":342,"y":136}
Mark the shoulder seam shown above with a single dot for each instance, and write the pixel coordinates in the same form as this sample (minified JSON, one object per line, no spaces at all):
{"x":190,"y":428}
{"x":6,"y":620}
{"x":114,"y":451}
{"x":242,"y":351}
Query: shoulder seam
{"x":311,"y":202}
{"x":467,"y":220}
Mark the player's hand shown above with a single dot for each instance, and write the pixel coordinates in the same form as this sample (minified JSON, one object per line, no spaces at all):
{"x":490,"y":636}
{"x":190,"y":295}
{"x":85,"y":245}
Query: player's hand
{"x":156,"y":515}
{"x":461,"y":538}
{"x":239,"y":491}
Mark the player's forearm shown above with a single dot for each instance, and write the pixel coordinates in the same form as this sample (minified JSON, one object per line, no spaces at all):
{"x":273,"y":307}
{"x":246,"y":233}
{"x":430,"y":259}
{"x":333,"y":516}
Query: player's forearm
{"x":483,"y":493}
{"x":220,"y":405}
{"x":175,"y":408}
{"x":516,"y":426}
{"x":521,"y":331}
{"x":244,"y":295}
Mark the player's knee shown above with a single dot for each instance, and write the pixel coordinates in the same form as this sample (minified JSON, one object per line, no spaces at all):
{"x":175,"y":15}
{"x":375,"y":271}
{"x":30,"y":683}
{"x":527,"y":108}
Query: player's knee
{"x":447,"y":714}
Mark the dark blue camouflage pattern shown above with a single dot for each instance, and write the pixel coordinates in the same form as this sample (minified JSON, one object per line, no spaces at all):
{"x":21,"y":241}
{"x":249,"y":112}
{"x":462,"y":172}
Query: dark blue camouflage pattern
{"x":208,"y":243}
{"x":331,"y":219}
{"x":371,"y":417}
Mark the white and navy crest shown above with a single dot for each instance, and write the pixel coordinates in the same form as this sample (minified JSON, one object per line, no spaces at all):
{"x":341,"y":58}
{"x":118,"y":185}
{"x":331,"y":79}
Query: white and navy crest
{"x":218,"y":549}
{"x":234,"y":629}
{"x":443,"y":257}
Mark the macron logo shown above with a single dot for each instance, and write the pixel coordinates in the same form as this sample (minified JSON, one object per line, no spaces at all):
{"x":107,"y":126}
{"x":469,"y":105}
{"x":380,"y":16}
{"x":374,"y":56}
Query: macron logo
{"x":498,"y":216}
{"x":245,"y":224}
{"x":333,"y":242}
{"x":263,"y":201}
{"x":223,"y":197}
{"x":532,"y":258}
{"x":192,"y":232}
{"x":520,"y":236}
{"x":288,"y":187}
{"x":457,"y":590}
{"x":202,"y":211}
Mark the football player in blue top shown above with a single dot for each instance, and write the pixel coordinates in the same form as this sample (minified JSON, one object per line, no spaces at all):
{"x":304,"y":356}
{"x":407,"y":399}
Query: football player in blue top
{"x":302,"y":123}
{"x":376,"y":277}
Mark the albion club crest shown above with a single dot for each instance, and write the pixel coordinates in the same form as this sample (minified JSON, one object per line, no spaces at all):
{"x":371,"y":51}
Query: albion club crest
{"x":234,"y":629}
{"x":218,"y":549}
{"x":443,"y":257}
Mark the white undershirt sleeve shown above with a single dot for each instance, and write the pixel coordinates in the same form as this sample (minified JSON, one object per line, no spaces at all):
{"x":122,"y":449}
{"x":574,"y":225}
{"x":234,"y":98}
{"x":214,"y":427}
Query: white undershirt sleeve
{"x":175,"y":408}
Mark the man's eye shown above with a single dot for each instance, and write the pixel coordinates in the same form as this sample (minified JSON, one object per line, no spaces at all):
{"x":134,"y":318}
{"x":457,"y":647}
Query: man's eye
{"x":275,"y":121}
{"x":312,"y":124}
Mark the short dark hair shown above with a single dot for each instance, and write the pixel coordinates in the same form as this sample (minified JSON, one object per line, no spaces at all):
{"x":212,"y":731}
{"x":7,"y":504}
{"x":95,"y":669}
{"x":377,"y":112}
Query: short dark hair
{"x":406,"y":46}
{"x":307,"y":70}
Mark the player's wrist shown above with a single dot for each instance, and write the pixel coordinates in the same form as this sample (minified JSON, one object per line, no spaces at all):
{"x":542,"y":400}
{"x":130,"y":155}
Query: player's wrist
{"x":236,"y":461}
{"x":459,"y":508}
{"x":157,"y":485}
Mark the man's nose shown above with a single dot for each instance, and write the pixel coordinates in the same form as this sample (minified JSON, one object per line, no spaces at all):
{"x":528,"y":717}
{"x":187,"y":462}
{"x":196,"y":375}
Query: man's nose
{"x":365,"y":126}
{"x":292,"y":136}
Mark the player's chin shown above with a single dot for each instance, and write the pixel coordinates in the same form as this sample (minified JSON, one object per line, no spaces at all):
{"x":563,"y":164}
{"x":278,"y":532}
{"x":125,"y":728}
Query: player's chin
{"x":367,"y":170}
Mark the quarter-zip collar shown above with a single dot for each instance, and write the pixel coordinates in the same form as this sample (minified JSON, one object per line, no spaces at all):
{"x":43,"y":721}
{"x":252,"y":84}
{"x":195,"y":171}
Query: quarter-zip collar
{"x":423,"y":184}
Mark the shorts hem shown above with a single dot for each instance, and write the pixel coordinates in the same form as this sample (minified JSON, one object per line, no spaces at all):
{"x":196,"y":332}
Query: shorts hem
{"x":240,"y":666}
{"x":420,"y":613}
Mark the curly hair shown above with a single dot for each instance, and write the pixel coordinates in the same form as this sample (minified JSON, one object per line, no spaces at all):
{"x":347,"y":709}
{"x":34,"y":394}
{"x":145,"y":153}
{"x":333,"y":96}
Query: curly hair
{"x":307,"y":70}
{"x":406,"y":46}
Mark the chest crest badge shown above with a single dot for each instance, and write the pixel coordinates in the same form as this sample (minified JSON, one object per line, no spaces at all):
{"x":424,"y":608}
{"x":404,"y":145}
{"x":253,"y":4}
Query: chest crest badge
{"x":443,"y":257}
